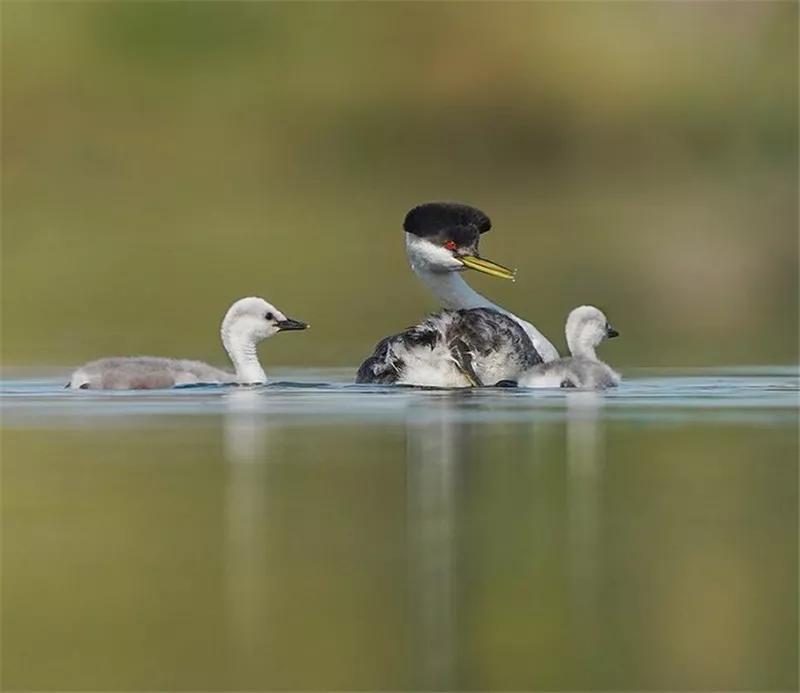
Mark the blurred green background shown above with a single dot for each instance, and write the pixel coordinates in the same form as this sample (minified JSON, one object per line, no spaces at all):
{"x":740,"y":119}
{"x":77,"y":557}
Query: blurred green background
{"x":163,"y":159}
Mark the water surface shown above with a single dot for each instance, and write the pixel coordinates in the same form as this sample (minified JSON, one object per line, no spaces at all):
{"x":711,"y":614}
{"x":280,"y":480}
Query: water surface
{"x":314,"y":534}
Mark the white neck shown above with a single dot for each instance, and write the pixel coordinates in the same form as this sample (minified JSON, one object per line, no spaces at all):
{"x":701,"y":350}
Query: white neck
{"x":581,"y":346}
{"x":451,"y":290}
{"x":455,"y":294}
{"x":243,"y":354}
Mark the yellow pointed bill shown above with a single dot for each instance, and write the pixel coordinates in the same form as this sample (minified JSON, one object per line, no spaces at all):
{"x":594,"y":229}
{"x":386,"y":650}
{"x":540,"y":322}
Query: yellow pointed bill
{"x":487,"y":267}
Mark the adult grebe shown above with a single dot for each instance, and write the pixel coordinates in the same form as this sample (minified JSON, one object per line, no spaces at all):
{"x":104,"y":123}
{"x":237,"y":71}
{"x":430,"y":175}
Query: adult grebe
{"x":441,"y":241}
{"x":246,"y":323}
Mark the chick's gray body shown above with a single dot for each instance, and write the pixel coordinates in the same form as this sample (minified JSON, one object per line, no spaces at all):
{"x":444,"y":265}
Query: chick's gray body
{"x":572,"y":371}
{"x":145,"y":373}
{"x":587,"y":327}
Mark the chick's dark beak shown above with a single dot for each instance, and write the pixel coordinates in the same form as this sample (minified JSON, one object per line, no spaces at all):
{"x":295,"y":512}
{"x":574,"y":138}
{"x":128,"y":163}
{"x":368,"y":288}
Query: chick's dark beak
{"x":611,"y":332}
{"x":290,"y":324}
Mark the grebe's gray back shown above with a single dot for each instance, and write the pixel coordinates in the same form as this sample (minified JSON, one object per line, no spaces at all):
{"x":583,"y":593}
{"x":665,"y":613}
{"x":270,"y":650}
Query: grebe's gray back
{"x":454,"y":348}
{"x":246,"y":323}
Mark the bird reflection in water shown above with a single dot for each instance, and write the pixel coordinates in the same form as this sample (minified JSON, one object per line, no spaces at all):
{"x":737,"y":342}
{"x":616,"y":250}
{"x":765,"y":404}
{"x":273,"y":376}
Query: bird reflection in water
{"x":585,"y":466}
{"x":436,"y":453}
{"x":248,"y":436}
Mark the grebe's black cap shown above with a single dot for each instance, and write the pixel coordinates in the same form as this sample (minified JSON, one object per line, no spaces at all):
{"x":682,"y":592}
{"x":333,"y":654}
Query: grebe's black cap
{"x":431,"y":218}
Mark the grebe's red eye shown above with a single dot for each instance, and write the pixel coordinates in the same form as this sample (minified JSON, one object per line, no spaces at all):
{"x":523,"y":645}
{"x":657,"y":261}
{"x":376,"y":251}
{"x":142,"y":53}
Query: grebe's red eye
{"x":450,"y":245}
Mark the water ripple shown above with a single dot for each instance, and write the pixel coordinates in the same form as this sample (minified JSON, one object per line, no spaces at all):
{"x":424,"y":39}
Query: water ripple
{"x":755,"y":395}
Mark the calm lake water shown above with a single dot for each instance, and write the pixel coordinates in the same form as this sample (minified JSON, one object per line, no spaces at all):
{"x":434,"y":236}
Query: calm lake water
{"x":313,"y":534}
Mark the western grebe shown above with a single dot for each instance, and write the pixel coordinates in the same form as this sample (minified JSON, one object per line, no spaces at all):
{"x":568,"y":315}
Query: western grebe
{"x":247,"y":322}
{"x":441,"y":241}
{"x":586,"y":328}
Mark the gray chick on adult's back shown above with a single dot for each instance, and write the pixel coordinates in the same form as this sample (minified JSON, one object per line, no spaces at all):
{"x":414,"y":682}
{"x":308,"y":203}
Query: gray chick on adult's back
{"x":246,"y":323}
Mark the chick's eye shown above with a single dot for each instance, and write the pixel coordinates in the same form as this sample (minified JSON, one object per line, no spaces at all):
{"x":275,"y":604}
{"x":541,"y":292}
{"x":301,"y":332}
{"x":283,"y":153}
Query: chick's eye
{"x":450,"y":245}
{"x":269,"y":316}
